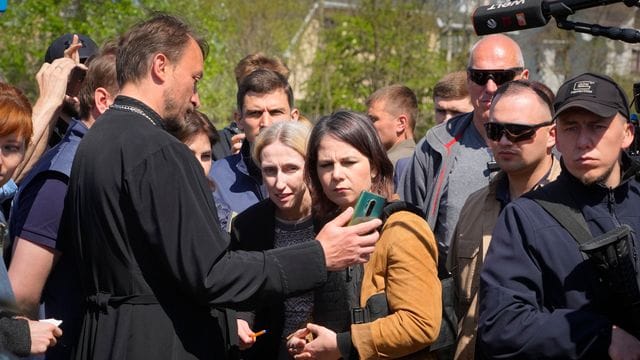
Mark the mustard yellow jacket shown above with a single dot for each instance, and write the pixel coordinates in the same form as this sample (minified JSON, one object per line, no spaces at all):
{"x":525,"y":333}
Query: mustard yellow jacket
{"x":403,"y":265}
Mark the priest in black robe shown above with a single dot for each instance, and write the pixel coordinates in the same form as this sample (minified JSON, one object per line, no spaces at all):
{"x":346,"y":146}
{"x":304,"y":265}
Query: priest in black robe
{"x":140,"y":221}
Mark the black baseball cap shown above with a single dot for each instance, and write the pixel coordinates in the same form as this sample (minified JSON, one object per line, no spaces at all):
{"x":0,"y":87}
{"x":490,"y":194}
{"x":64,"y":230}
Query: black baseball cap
{"x":598,"y":94}
{"x":59,"y":45}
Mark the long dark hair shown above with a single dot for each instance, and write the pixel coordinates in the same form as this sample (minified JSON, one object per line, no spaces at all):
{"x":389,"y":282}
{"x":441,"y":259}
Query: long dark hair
{"x":356,"y":130}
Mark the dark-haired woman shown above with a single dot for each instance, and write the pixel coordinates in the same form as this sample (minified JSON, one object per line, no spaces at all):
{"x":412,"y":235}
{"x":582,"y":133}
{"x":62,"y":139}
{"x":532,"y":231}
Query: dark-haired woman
{"x":197,"y":132}
{"x":345,"y":157}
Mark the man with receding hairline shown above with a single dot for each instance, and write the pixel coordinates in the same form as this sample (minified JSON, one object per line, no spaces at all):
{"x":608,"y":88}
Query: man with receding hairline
{"x":452,"y":160}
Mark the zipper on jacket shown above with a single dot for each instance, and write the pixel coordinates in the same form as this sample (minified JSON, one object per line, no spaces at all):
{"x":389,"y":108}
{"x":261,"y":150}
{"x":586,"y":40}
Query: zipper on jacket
{"x":611,"y":201}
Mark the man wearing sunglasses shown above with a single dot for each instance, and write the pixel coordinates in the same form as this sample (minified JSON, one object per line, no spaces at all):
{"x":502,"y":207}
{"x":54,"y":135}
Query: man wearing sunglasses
{"x":451,"y":161}
{"x":540,"y":296}
{"x":521,"y":136}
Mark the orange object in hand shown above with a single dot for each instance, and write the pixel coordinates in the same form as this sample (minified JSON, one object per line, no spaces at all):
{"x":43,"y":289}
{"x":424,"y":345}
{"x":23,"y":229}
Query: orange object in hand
{"x":256,"y":334}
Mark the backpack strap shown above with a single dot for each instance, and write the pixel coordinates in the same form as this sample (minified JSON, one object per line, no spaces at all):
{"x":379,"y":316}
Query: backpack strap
{"x":563,"y":208}
{"x":394,"y":206}
{"x":376,"y":305}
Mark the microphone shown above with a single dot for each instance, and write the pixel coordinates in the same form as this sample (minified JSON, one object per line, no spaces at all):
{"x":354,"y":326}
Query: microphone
{"x":509,"y":16}
{"x":525,"y":14}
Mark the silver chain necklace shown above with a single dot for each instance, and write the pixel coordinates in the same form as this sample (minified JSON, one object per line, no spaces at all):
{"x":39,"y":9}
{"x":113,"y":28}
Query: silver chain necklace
{"x":133,"y":109}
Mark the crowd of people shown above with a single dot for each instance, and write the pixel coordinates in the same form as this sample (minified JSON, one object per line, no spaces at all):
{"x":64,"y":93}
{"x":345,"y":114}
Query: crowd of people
{"x":150,"y":234}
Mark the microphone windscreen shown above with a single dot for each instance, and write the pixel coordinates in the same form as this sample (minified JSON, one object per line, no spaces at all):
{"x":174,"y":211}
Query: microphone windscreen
{"x":508,"y":16}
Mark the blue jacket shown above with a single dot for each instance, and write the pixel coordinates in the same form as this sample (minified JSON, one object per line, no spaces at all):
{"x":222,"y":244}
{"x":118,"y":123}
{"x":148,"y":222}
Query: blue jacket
{"x":538,"y":297}
{"x":238,"y":185}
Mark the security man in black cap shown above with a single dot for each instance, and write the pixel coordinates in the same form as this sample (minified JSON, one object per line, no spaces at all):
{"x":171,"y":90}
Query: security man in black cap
{"x":543,"y":289}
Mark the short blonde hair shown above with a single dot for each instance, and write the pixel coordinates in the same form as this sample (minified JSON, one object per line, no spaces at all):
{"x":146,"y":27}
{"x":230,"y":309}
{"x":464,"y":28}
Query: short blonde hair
{"x":293,"y":134}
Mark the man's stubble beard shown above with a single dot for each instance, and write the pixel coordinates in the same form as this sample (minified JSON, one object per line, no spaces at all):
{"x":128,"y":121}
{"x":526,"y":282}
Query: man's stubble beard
{"x":173,"y":120}
{"x":600,"y":179}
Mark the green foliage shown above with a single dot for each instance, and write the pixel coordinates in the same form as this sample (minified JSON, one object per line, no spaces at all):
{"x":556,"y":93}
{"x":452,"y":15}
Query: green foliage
{"x":376,"y":44}
{"x":350,"y":52}
{"x":29,"y":26}
{"x":380,"y":43}
{"x":235,"y":29}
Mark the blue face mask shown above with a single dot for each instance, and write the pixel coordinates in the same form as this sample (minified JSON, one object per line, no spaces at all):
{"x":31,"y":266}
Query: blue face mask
{"x":8,"y":190}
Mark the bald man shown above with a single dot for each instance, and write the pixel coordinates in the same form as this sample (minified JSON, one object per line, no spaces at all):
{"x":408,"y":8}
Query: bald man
{"x":453,"y":160}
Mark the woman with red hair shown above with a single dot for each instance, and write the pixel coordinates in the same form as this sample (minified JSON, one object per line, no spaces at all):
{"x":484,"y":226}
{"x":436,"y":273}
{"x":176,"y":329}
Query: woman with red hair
{"x":18,"y":335}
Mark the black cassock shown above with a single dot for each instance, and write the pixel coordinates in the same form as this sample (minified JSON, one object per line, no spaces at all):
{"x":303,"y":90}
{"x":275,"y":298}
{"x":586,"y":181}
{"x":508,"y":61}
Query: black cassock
{"x":140,"y":222}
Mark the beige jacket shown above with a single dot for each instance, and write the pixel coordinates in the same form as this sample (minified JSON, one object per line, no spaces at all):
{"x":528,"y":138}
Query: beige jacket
{"x":403,"y":265}
{"x":471,"y":240}
{"x":401,"y":150}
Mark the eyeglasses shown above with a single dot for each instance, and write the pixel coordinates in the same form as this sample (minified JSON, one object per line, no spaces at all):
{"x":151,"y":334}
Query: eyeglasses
{"x":513,"y":132}
{"x":481,"y":77}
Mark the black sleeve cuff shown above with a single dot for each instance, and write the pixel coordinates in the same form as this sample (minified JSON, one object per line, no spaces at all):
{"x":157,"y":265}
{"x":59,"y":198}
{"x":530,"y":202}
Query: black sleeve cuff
{"x":301,"y":267}
{"x":600,"y":348}
{"x":248,"y":316}
{"x":15,"y":336}
{"x":347,"y":350}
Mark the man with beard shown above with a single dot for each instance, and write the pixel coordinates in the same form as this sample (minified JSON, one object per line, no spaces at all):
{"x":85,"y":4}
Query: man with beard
{"x":141,"y":223}
{"x":541,"y":297}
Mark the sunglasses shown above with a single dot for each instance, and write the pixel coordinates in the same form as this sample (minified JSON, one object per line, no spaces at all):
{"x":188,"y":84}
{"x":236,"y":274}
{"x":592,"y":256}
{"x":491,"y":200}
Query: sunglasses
{"x":481,"y":77}
{"x":513,"y":132}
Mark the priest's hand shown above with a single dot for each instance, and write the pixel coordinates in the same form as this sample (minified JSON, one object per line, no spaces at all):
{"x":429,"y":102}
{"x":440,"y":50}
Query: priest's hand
{"x":347,"y":245}
{"x":623,"y":345}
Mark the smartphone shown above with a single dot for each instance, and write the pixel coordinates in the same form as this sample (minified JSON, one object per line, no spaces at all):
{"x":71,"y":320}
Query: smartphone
{"x":76,"y":77}
{"x":369,"y":206}
{"x":234,"y":129}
